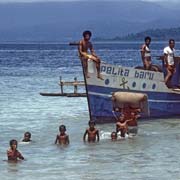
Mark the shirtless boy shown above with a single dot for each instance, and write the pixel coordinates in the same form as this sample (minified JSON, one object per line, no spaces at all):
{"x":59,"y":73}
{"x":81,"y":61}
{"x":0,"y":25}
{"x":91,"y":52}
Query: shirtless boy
{"x":92,"y":133}
{"x":62,"y":138}
{"x":84,"y":46}
{"x":113,"y":136}
{"x":122,"y":126}
{"x":12,"y":153}
{"x":27,"y":137}
{"x":132,"y":114}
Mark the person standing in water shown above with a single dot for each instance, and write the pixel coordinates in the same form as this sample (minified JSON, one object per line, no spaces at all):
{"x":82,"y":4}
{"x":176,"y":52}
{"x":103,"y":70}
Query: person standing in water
{"x":12,"y":153}
{"x":27,"y":137}
{"x":92,"y":132}
{"x":62,"y":138}
{"x":84,"y":46}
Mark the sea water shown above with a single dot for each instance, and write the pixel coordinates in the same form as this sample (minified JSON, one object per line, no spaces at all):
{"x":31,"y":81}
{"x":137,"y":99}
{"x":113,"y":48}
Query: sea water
{"x":28,"y":69}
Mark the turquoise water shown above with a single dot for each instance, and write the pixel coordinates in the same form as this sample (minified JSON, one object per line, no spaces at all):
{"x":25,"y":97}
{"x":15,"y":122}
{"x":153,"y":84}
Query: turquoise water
{"x":26,"y":70}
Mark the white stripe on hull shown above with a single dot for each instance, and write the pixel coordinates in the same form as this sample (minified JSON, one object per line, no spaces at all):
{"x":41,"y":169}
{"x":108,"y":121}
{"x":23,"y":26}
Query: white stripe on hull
{"x":150,"y":100}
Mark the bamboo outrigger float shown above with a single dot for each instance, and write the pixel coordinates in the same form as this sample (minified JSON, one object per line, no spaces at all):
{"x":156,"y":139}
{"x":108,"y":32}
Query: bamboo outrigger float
{"x":62,"y":83}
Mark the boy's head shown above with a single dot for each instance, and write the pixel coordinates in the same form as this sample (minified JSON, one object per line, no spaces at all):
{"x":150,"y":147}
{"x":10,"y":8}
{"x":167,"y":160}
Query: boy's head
{"x":147,"y":40}
{"x":62,"y":128}
{"x":172,"y":43}
{"x":13,"y":143}
{"x":27,"y":136}
{"x":91,"y":124}
{"x":87,"y":35}
{"x":121,"y":118}
{"x":113,"y":136}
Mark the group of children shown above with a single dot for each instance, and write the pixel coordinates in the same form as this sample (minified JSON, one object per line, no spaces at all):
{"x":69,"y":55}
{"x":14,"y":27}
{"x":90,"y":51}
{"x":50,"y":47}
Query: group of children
{"x":12,"y":153}
{"x":126,"y":123}
{"x":62,"y":139}
{"x":128,"y":116}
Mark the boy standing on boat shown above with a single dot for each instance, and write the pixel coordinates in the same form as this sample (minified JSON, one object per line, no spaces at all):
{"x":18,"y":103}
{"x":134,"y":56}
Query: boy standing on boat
{"x":84,"y":46}
{"x":169,"y":62}
{"x":146,"y":53}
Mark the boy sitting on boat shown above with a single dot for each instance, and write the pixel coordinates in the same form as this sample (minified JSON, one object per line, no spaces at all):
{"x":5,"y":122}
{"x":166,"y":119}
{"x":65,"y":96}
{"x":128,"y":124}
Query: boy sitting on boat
{"x":84,"y":46}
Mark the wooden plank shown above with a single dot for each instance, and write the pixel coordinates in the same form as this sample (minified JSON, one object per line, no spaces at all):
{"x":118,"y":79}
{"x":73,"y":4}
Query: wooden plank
{"x":78,"y":83}
{"x":64,"y":94}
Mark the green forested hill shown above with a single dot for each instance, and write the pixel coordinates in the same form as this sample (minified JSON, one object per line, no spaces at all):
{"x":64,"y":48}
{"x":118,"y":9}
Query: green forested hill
{"x":155,"y":34}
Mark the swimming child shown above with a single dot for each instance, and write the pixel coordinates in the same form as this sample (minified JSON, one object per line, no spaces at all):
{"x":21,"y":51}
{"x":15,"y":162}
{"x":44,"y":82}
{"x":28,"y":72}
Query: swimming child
{"x":113,"y":136}
{"x":92,"y":133}
{"x":12,"y":153}
{"x":27,"y":137}
{"x":62,"y":138}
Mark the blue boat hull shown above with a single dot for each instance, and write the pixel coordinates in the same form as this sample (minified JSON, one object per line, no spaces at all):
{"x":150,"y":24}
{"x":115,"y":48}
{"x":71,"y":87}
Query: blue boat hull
{"x":160,"y":104}
{"x":161,"y":101}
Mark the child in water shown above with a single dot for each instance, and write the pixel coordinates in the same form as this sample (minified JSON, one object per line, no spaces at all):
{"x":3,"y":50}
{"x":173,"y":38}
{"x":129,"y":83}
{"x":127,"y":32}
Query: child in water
{"x":12,"y":153}
{"x":27,"y":137}
{"x":113,"y":136}
{"x":122,"y":125}
{"x":92,"y":133}
{"x":62,"y":138}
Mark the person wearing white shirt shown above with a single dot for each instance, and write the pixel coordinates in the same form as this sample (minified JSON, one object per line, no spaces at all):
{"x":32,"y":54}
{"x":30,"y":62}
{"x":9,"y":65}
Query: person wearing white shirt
{"x":169,"y":58}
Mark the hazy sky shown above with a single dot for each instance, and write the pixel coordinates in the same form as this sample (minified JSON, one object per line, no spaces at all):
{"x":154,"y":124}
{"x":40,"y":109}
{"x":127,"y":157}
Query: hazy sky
{"x":6,"y":1}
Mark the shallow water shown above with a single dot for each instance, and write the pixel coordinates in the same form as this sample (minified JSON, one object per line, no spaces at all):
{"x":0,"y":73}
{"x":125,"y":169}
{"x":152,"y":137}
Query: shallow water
{"x":26,"y":70}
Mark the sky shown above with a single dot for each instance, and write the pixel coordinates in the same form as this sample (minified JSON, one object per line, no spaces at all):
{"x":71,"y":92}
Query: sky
{"x":7,"y":1}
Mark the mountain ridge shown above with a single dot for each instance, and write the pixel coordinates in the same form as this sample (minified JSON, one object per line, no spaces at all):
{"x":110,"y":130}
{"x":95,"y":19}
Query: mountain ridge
{"x":60,"y":21}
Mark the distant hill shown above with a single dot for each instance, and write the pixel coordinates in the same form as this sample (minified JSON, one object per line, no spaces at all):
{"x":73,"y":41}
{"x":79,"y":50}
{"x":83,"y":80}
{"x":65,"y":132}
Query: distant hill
{"x":155,"y":34}
{"x":65,"y":21}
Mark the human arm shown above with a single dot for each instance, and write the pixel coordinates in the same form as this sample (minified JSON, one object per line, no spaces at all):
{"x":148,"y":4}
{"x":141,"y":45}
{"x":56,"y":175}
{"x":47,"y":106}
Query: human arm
{"x":128,"y":120}
{"x":143,"y":52}
{"x":56,"y":139}
{"x":166,"y":59}
{"x":67,"y":139}
{"x":97,"y":134}
{"x":92,"y":50}
{"x":10,"y":154}
{"x":84,"y":137}
{"x":20,"y":155}
{"x":166,"y":52}
{"x":80,"y":49}
{"x":117,"y":128}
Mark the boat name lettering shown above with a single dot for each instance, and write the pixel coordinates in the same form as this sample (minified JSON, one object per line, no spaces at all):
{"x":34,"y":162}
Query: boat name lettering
{"x":115,"y":71}
{"x":144,"y":75}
